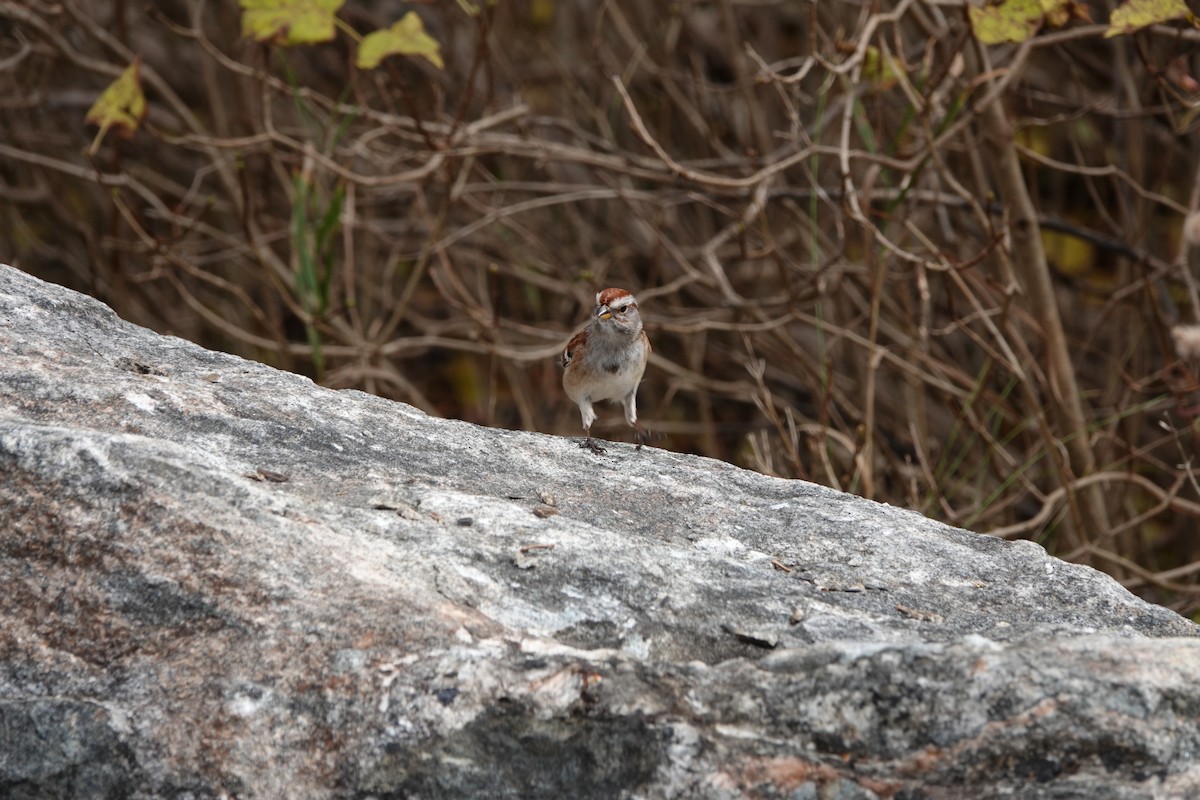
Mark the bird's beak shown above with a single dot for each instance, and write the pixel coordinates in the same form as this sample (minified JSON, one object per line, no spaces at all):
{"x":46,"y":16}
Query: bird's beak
{"x":603,"y":312}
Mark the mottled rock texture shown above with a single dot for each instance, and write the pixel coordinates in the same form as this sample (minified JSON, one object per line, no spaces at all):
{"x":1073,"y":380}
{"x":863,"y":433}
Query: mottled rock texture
{"x":221,"y":580}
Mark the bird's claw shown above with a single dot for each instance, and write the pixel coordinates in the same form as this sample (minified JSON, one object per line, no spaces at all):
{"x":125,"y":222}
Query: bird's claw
{"x":591,"y":444}
{"x":643,"y":436}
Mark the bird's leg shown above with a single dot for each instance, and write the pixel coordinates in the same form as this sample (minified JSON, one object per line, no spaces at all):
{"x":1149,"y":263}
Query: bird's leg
{"x":589,"y":416}
{"x":630,"y":403}
{"x":642,"y":435}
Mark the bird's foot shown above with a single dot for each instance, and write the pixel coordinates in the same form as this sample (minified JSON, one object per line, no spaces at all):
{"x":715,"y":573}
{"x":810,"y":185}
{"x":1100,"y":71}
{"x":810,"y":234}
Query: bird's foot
{"x":644,"y":436}
{"x":591,"y":444}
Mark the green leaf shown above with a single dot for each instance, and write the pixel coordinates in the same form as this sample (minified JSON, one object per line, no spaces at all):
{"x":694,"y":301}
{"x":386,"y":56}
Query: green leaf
{"x":407,"y":37}
{"x":289,"y":22}
{"x":1010,"y":21}
{"x":1134,"y":14}
{"x":122,"y":105}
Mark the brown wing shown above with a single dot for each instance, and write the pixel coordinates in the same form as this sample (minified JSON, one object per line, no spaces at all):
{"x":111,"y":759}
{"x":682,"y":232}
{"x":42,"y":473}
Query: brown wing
{"x":576,"y":342}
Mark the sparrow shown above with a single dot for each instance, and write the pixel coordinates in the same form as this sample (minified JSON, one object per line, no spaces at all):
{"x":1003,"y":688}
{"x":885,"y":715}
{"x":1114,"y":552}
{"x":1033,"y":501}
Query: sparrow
{"x":606,"y":360}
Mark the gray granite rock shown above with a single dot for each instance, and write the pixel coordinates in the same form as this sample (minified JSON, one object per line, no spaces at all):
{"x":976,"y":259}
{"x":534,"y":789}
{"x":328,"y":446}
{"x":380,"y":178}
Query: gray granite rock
{"x":221,"y":580}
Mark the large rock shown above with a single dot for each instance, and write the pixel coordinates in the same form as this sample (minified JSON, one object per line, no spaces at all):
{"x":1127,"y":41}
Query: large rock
{"x":220,"y":580}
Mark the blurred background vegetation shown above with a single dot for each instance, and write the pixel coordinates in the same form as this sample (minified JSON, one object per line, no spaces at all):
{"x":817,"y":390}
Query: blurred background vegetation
{"x":872,"y":251}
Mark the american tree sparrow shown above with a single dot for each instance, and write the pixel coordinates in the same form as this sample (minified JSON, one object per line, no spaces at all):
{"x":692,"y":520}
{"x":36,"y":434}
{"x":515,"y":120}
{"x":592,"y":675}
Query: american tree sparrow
{"x":605,"y":361}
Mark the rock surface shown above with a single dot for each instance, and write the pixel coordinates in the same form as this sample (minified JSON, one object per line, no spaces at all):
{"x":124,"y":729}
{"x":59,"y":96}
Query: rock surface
{"x":221,"y":580}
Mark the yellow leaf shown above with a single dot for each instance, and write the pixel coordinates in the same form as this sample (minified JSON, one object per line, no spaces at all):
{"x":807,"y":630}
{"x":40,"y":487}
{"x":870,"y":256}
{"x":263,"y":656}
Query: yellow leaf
{"x":1060,"y":12}
{"x":407,"y":37}
{"x":541,"y":12}
{"x":1070,"y":255}
{"x":122,"y":105}
{"x":1010,"y":21}
{"x":1134,"y":14}
{"x":1035,"y":138}
{"x":882,"y":71}
{"x":288,"y":22}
